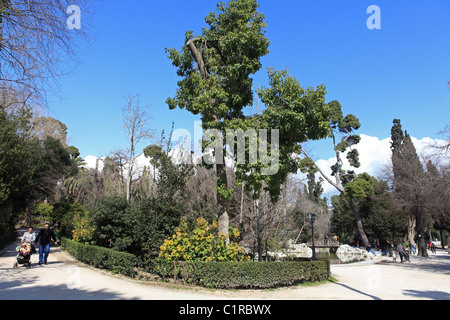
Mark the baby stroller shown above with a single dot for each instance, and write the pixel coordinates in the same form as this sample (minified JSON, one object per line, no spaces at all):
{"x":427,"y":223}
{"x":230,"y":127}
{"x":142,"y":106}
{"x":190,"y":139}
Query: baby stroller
{"x":24,"y":256}
{"x":406,"y":256}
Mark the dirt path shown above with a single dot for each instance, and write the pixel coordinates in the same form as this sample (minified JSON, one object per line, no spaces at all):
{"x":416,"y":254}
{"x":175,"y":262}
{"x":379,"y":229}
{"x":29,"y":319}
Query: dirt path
{"x":65,"y":278}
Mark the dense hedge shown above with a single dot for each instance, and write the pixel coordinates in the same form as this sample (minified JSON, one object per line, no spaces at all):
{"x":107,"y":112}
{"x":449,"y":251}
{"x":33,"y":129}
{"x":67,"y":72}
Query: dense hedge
{"x":102,"y":258}
{"x":251,"y":275}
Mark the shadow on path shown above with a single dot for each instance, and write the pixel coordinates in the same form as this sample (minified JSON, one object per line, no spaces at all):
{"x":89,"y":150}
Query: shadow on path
{"x":435,"y":295}
{"x":358,"y":291}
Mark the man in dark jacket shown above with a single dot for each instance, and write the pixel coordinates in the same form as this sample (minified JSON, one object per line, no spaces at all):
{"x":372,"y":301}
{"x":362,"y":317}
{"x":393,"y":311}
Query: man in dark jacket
{"x":44,"y":237}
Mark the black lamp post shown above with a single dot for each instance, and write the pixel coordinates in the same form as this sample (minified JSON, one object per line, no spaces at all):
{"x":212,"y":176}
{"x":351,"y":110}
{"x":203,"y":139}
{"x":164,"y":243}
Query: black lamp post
{"x":312,"y":216}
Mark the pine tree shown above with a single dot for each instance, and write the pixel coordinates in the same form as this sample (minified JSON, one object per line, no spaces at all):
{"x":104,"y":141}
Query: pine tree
{"x":410,"y":186}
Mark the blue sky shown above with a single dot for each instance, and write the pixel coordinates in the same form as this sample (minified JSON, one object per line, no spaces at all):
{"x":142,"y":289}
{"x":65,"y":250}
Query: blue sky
{"x":400,"y":71}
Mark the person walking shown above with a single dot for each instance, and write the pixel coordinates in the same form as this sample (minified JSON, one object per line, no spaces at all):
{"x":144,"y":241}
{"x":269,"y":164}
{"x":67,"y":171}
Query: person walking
{"x":29,"y":237}
{"x":433,"y":248}
{"x":401,"y":252}
{"x":43,"y":239}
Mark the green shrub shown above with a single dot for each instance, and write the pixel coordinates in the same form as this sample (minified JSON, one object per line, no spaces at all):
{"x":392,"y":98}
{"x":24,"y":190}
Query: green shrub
{"x":102,"y":258}
{"x":251,"y":275}
{"x":138,"y":227}
{"x":112,"y":223}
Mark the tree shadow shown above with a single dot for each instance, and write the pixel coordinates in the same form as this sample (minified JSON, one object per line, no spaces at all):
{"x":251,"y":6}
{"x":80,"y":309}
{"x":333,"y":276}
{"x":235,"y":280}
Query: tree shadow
{"x":19,"y":290}
{"x":20,"y":284}
{"x":435,"y":295}
{"x":358,"y":291}
{"x":435,"y":264}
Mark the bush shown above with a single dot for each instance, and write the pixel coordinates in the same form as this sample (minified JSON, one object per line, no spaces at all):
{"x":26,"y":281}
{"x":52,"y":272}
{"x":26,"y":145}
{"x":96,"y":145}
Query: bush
{"x":44,"y":210}
{"x":137,"y":227}
{"x":112,"y":223}
{"x":66,"y":212}
{"x":102,"y":258}
{"x":251,"y":275}
{"x":203,"y":243}
{"x":154,"y":220}
{"x":83,"y":232}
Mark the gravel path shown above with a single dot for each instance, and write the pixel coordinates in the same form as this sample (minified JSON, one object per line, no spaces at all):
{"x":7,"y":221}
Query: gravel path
{"x":65,"y":278}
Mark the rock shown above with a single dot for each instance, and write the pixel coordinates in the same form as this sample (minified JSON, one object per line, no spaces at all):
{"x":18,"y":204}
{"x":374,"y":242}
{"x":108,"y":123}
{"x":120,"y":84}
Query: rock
{"x":348,"y":250}
{"x":293,"y":250}
{"x":345,"y":251}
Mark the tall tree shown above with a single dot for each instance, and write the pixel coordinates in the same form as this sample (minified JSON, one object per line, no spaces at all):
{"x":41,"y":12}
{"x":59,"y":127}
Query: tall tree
{"x":345,"y":128}
{"x":216,"y":68}
{"x":374,"y":202}
{"x":15,"y":167}
{"x":438,"y":196}
{"x":136,"y":123}
{"x":410,"y":185}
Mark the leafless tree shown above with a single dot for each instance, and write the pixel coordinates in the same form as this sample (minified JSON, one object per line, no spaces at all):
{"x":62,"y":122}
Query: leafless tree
{"x":35,"y":41}
{"x":136,"y":122}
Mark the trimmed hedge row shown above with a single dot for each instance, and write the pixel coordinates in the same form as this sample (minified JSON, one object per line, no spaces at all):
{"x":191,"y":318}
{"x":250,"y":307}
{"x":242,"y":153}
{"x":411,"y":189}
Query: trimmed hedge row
{"x":251,"y":275}
{"x":102,"y":258}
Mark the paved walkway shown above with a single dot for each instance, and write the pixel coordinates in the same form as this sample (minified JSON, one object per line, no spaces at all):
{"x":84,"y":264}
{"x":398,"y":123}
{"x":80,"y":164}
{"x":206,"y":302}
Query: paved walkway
{"x":65,"y":278}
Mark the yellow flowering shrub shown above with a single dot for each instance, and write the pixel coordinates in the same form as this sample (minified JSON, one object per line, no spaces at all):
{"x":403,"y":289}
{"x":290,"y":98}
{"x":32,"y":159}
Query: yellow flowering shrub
{"x":204,"y":243}
{"x":83,"y":232}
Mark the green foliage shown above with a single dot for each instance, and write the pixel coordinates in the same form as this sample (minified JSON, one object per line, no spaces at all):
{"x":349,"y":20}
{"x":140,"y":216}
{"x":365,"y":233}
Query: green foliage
{"x":30,"y":168}
{"x":113,"y":225}
{"x":171,"y":178}
{"x":83,"y":231}
{"x":215,"y":68}
{"x":153,"y":221}
{"x":202,"y":243}
{"x":396,"y":135}
{"x":16,"y":166}
{"x":299,"y":114}
{"x":344,"y":127}
{"x":102,"y":258}
{"x":251,"y":275}
{"x":44,"y":210}
{"x":137,"y":227}
{"x":374,"y":202}
{"x":52,"y":162}
{"x":67,"y":212}
{"x":230,"y":49}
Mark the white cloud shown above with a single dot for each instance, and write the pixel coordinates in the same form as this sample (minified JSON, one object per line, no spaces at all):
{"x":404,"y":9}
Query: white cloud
{"x":373,"y":155}
{"x":91,"y":162}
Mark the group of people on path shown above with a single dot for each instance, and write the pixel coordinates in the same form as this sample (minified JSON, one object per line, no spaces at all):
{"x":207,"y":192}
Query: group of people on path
{"x":43,"y":239}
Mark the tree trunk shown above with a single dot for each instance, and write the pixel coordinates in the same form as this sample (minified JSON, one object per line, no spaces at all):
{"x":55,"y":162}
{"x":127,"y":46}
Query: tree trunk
{"x":412,"y":229}
{"x":442,"y":238}
{"x":258,"y":230}
{"x":223,"y":218}
{"x":422,"y":247}
{"x":359,"y":226}
{"x":339,"y":187}
{"x":130,"y":172}
{"x":241,"y":215}
{"x":28,"y":217}
{"x":421,"y":229}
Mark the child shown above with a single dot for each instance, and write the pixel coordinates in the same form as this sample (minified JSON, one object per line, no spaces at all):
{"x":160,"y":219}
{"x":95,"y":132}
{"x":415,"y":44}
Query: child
{"x":394,"y":256}
{"x":25,"y":249}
